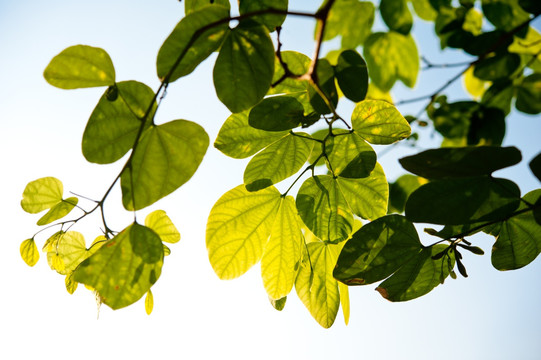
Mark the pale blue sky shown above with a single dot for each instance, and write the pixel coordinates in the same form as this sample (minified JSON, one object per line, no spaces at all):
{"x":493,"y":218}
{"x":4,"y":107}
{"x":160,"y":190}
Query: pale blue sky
{"x":490,"y":315}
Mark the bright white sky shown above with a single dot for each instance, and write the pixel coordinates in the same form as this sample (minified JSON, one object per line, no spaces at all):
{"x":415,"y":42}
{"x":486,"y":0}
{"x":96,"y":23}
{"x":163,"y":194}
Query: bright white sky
{"x":490,"y":315}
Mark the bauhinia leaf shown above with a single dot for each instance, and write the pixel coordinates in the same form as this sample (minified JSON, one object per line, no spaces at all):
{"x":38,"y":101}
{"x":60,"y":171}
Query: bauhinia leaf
{"x":163,"y":226}
{"x":379,"y":122}
{"x":352,"y":75}
{"x":277,"y":113}
{"x":350,"y":156}
{"x":271,"y":21}
{"x":80,"y":66}
{"x":238,"y":228}
{"x":29,"y":252}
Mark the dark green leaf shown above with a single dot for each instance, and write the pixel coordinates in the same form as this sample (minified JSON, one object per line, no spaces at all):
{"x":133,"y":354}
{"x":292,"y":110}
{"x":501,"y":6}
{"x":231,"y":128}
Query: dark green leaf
{"x":496,"y":67}
{"x":80,"y":66}
{"x":187,"y":41}
{"x":166,"y":157}
{"x":352,"y":75}
{"x":271,"y":21}
{"x":377,"y":250}
{"x":400,"y":190}
{"x":352,"y":19}
{"x":326,"y":83}
{"x":113,"y":125}
{"x":244,"y":68}
{"x":396,"y":15}
{"x":461,"y":162}
{"x":529,"y":94}
{"x":519,"y":240}
{"x":239,"y":140}
{"x":535,"y":166}
{"x":499,"y":95}
{"x":276,"y":113}
{"x":279,"y":304}
{"x":504,"y":14}
{"x":531,"y":6}
{"x":463,"y":201}
{"x":125,"y":268}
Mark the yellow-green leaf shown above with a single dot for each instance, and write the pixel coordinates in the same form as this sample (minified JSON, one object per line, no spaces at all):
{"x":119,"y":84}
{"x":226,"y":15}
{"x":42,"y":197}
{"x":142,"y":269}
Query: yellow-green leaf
{"x":379,"y":122}
{"x":58,"y":211}
{"x":149,"y":302}
{"x":163,"y":226}
{"x":238,"y":228}
{"x":282,"y":252}
{"x":344,"y":300}
{"x":71,"y":285}
{"x":42,"y":194}
{"x":29,"y":252}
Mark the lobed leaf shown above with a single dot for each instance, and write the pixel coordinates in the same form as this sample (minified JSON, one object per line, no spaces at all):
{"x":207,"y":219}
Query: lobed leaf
{"x":42,"y":194}
{"x":58,"y":211}
{"x":163,"y":226}
{"x":352,"y":75}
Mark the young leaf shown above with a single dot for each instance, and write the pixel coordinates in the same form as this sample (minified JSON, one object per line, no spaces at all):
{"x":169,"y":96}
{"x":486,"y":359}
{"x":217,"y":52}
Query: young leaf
{"x":80,"y":66}
{"x":70,"y":248}
{"x":163,"y":226}
{"x":278,"y":161}
{"x":352,"y":75}
{"x":42,"y":194}
{"x":244,"y":67}
{"x":417,"y":277}
{"x":379,"y":122}
{"x":271,"y":21}
{"x":183,"y":42}
{"x":277,"y":113}
{"x":350,"y":156}
{"x":125,"y":268}
{"x":71,"y":285}
{"x":377,"y":250}
{"x":324,"y":209}
{"x":29,"y":252}
{"x":113,"y":125}
{"x":352,"y":20}
{"x":366,"y":197}
{"x":315,"y":285}
{"x":391,"y":56}
{"x":461,"y":161}
{"x":149,"y":302}
{"x":282,"y":252}
{"x":166,"y":157}
{"x":238,"y":228}
{"x":463,"y":201}
{"x":519,"y":240}
{"x":58,"y":211}
{"x":396,"y":15}
{"x":237,"y":139}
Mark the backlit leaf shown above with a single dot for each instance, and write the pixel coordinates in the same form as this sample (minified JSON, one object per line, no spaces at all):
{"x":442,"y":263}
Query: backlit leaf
{"x":163,"y":226}
{"x":278,"y":161}
{"x":379,"y":122}
{"x":377,"y":250}
{"x":344,"y":301}
{"x":42,"y":194}
{"x":166,"y":157}
{"x":125,"y":268}
{"x":149,"y":302}
{"x":238,"y":228}
{"x":181,"y":42}
{"x":324,"y":209}
{"x":417,"y":277}
{"x":58,"y":211}
{"x":80,"y":66}
{"x":114,"y":124}
{"x":504,"y":14}
{"x":424,"y":9}
{"x":29,"y":252}
{"x":71,"y":285}
{"x":271,"y":21}
{"x":474,"y":86}
{"x":71,"y":248}
{"x":244,"y":67}
{"x":237,"y":139}
{"x":352,"y":20}
{"x":191,"y":6}
{"x":282,"y":252}
{"x":396,"y":15}
{"x":463,"y":201}
{"x":350,"y":156}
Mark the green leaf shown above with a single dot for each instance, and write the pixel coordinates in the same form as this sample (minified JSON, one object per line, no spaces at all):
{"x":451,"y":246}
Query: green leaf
{"x":125,"y":268}
{"x":244,"y":68}
{"x":352,"y":19}
{"x":278,"y":161}
{"x":499,"y":66}
{"x":149,"y":302}
{"x":396,"y":15}
{"x":29,"y":252}
{"x":350,"y":156}
{"x":424,"y":10}
{"x":463,"y":201}
{"x":366,"y":197}
{"x":344,"y":301}
{"x":504,"y":14}
{"x":531,"y":6}
{"x":163,"y":226}
{"x":80,"y":66}
{"x":391,"y":56}
{"x":191,"y":6}
{"x":58,"y":211}
{"x":529,"y":94}
{"x":519,"y":240}
{"x":271,"y":21}
{"x":499,"y":95}
{"x":377,"y":250}
{"x":113,"y":126}
{"x":70,"y":247}
{"x":166,"y":157}
{"x":238,"y":228}
{"x":461,"y":162}
{"x":379,"y":122}
{"x":401,"y":189}
{"x":352,"y":75}
{"x":41,"y":194}
{"x":474,"y":86}
{"x":535,"y":166}
{"x":279,"y":304}
{"x":282,"y":252}
{"x":315,"y":285}
{"x":277,"y":113}
{"x":417,"y":277}
{"x":326,"y":83}
{"x":237,"y":139}
{"x":188,"y":41}
{"x":324,"y":209}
